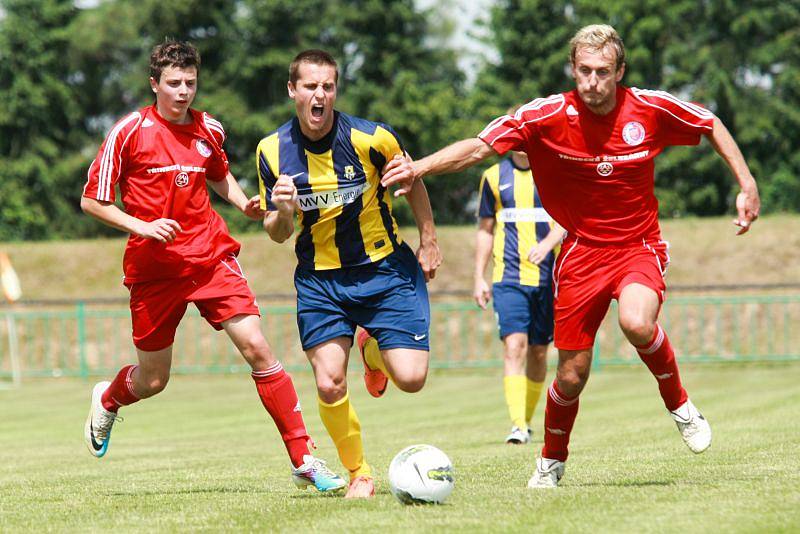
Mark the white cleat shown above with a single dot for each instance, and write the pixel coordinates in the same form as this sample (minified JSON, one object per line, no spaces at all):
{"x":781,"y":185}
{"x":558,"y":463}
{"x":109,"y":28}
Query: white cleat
{"x":518,"y":436}
{"x":97,"y":429}
{"x":548,"y":473}
{"x":694,"y":429}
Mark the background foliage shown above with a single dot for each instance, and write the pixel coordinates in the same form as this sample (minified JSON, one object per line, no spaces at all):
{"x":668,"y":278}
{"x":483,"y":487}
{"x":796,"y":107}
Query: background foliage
{"x":67,"y":73}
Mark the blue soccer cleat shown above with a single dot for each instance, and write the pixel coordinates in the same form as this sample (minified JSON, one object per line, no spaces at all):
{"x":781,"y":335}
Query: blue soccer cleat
{"x":314,"y":472}
{"x":97,"y":430}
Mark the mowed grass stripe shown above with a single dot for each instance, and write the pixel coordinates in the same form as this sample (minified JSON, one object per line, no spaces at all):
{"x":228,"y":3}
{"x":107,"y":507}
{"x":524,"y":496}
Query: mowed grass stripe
{"x":204,"y":456}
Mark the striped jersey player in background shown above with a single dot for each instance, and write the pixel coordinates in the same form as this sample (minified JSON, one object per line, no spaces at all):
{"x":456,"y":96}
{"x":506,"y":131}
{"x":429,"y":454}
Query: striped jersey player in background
{"x":593,"y":151}
{"x":163,"y":158}
{"x":516,"y":231}
{"x":353,"y":267}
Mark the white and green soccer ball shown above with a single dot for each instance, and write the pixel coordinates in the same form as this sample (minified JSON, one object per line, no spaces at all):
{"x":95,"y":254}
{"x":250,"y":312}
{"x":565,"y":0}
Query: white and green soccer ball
{"x":421,"y":474}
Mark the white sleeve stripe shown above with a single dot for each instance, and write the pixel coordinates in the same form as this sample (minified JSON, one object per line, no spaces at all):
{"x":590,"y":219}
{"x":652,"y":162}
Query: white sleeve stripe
{"x":215,"y":125}
{"x":106,"y":163}
{"x":688,"y":106}
{"x":119,"y":157}
{"x":680,"y":119}
{"x":216,"y":129}
{"x":531,"y":106}
{"x":213,"y":122}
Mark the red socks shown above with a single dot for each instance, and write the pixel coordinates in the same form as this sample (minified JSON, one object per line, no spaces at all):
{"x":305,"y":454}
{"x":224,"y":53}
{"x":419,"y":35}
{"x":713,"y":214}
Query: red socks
{"x":559,"y":416}
{"x":660,"y":359}
{"x":120,"y":392}
{"x":279,"y":397}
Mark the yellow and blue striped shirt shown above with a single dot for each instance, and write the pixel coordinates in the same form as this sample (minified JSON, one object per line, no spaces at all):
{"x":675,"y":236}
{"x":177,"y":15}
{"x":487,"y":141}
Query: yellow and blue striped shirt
{"x":509,"y":196}
{"x":345,"y":214}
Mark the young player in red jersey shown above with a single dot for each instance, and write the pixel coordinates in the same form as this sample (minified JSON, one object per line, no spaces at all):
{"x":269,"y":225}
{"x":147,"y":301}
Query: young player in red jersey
{"x":180,"y":251}
{"x":593,"y":152}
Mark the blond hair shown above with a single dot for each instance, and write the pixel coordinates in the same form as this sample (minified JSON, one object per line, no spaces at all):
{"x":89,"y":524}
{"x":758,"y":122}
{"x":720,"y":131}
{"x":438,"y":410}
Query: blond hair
{"x":597,"y":37}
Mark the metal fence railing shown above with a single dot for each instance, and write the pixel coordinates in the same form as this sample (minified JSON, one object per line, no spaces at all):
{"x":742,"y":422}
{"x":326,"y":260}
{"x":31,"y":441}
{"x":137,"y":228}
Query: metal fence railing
{"x":94,"y":339}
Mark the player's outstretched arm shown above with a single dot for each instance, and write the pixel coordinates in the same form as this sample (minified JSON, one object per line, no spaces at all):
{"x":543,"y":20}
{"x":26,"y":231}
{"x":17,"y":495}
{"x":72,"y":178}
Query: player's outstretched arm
{"x":540,"y":251}
{"x":483,"y":251}
{"x":748,"y":202}
{"x":279,"y":223}
{"x":163,"y":230}
{"x":456,"y":157}
{"x":428,"y":254}
{"x":231,"y":191}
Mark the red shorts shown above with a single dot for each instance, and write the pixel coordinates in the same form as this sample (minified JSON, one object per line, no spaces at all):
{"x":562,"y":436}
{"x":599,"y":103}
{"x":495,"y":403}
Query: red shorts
{"x":219,"y":291}
{"x":586,"y":278}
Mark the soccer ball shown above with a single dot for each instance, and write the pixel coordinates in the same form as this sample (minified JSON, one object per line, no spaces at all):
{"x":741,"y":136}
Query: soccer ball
{"x":421,"y":474}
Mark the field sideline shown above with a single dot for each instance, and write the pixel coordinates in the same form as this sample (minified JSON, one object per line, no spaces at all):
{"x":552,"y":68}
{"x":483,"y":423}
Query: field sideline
{"x":203,"y":456}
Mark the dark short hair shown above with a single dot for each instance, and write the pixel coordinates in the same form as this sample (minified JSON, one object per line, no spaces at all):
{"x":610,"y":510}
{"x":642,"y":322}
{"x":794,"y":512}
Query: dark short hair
{"x":315,"y":57}
{"x":180,"y":54}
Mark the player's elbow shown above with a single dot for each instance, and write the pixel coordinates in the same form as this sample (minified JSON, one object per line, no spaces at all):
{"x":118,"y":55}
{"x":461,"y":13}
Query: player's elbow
{"x":89,"y":205}
{"x":275,"y":231}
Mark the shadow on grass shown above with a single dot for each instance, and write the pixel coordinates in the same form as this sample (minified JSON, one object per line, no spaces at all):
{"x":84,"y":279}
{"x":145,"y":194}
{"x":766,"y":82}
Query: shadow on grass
{"x":624,"y":484}
{"x":187,"y":491}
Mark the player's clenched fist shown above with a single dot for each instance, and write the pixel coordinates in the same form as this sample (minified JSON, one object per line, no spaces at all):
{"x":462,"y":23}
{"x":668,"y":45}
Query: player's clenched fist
{"x":163,"y":230}
{"x":284,"y":194}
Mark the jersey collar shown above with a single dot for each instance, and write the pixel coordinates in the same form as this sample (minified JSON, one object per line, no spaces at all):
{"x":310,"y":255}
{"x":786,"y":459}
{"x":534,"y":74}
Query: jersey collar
{"x":319,"y":146}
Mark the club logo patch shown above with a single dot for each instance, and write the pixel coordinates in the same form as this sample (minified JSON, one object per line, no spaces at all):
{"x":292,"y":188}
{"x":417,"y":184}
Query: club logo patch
{"x":349,"y":172}
{"x":633,"y":133}
{"x":203,"y":148}
{"x":182,"y":180}
{"x":605,"y":168}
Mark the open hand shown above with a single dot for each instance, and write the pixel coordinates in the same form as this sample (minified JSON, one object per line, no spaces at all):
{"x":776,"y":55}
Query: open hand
{"x":481,"y":293}
{"x":429,"y":257}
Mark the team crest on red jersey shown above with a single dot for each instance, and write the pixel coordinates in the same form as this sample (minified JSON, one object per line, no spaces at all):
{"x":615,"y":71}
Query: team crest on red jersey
{"x":605,"y":168}
{"x":203,"y":148}
{"x":633,"y":133}
{"x":182,"y":180}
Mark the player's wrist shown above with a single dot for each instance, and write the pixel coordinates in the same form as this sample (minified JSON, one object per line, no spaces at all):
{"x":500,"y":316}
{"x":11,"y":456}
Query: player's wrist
{"x":748,"y":185}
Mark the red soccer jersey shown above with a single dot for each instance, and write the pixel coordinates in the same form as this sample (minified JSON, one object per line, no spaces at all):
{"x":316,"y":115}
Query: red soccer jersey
{"x":161,"y":169}
{"x":594,"y":172}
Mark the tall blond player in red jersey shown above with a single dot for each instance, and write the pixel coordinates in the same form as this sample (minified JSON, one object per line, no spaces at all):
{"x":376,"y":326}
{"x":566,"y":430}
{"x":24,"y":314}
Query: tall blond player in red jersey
{"x":180,"y":251}
{"x":592,"y":150}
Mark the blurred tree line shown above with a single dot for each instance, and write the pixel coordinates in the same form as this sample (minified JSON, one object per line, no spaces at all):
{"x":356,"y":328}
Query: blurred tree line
{"x":66,"y":74}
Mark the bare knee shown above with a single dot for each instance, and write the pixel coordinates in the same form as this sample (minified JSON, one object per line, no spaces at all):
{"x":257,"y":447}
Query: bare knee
{"x":331,"y":388}
{"x":257,"y":352}
{"x":516,"y":348}
{"x":639,"y":330}
{"x":571,"y":381}
{"x":411,"y":383}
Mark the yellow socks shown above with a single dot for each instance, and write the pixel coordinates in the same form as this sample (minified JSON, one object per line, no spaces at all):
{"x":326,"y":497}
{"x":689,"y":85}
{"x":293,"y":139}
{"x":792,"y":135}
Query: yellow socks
{"x":342,"y":423}
{"x":532,"y":394}
{"x":372,"y":355}
{"x":514,"y":386}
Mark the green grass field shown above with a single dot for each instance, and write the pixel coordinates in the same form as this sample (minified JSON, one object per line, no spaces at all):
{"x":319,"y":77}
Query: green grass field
{"x":203,"y":456}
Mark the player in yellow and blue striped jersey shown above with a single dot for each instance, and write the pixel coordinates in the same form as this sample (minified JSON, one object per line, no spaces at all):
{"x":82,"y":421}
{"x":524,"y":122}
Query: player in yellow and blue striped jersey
{"x":353,"y":267}
{"x":520,"y":235}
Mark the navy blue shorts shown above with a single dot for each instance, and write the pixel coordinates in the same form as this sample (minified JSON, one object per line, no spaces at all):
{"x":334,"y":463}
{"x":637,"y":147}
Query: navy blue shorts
{"x":524,"y":309}
{"x":388,"y":298}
